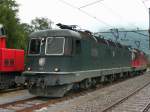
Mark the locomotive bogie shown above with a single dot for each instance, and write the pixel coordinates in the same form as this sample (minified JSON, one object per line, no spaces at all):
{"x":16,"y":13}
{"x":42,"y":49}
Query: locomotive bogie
{"x":7,"y":79}
{"x":57,"y":85}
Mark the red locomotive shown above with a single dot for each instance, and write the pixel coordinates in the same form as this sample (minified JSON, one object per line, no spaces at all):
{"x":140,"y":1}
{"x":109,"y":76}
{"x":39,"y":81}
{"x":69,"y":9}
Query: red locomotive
{"x":11,"y":62}
{"x":139,"y":59}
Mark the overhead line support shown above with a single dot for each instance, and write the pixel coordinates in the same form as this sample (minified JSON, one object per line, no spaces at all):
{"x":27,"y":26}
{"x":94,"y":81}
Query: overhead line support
{"x":149,"y":29}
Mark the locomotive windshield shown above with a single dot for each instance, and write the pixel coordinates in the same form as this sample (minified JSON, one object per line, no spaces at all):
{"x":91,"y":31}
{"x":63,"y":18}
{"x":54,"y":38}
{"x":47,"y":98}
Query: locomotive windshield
{"x":34,"y":47}
{"x":2,"y":30}
{"x":55,"y":45}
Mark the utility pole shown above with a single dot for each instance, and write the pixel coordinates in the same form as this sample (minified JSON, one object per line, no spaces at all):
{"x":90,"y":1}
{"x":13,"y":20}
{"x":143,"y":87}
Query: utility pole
{"x":149,"y":29}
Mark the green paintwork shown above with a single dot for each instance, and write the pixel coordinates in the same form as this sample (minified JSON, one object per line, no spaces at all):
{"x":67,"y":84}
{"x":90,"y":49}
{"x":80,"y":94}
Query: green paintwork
{"x":94,"y":55}
{"x":93,"y":58}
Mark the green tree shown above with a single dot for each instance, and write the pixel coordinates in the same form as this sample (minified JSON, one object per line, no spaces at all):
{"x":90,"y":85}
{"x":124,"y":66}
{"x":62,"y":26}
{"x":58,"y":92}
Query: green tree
{"x":41,"y":24}
{"x":27,"y":28}
{"x":15,"y":31}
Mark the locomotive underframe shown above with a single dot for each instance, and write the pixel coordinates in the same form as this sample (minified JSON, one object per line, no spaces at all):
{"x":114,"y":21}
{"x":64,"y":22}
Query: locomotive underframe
{"x":56,"y":84}
{"x":7,"y":79}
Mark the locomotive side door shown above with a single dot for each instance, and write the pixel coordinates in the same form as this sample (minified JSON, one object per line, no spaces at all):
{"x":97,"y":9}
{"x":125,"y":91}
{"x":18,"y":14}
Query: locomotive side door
{"x":76,"y":60}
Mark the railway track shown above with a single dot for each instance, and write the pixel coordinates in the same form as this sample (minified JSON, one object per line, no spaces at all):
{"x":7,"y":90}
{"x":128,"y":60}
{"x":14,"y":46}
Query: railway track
{"x":16,"y":105}
{"x":34,"y":103}
{"x":30,"y":104}
{"x":137,"y":101}
{"x":11,"y":90}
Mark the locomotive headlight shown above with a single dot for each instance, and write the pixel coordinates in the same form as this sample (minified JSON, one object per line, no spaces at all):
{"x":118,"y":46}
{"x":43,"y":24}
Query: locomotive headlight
{"x":28,"y":68}
{"x":56,"y":69}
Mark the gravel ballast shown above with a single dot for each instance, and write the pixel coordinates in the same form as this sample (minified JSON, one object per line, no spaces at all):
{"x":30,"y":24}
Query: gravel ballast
{"x":100,"y":99}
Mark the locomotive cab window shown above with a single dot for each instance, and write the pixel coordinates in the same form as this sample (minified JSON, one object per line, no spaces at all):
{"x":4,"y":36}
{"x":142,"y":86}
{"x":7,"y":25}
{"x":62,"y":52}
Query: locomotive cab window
{"x":55,"y":46}
{"x":34,"y":47}
{"x":2,"y":31}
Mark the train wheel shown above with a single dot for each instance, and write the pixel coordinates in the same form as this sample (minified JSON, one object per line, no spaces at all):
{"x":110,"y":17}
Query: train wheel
{"x":86,"y":84}
{"x":76,"y":86}
{"x":94,"y":82}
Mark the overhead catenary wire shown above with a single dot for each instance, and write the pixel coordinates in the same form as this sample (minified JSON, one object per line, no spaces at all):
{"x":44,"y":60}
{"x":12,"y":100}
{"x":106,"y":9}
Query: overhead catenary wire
{"x":99,"y":20}
{"x":110,"y":9}
{"x":147,"y":10}
{"x":137,"y":44}
{"x":99,"y":1}
{"x":89,"y":4}
{"x":140,"y":33}
{"x":144,"y":5}
{"x":94,"y":17}
{"x":118,"y":15}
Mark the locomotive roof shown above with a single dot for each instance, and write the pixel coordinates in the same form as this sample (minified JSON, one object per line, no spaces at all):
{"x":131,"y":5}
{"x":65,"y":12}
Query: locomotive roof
{"x":70,"y":33}
{"x":55,"y":33}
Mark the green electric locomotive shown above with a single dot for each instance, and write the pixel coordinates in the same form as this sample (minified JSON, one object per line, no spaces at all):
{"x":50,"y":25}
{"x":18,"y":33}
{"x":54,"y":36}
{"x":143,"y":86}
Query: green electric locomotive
{"x":59,"y":60}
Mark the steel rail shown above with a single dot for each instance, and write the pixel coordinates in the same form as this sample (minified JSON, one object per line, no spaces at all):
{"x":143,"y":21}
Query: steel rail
{"x":147,"y":107}
{"x":51,"y":101}
{"x":125,"y":98}
{"x":11,"y":90}
{"x":5,"y":105}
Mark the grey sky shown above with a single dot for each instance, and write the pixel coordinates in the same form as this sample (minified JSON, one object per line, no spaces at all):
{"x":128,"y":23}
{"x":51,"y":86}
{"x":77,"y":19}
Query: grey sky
{"x":106,"y":14}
